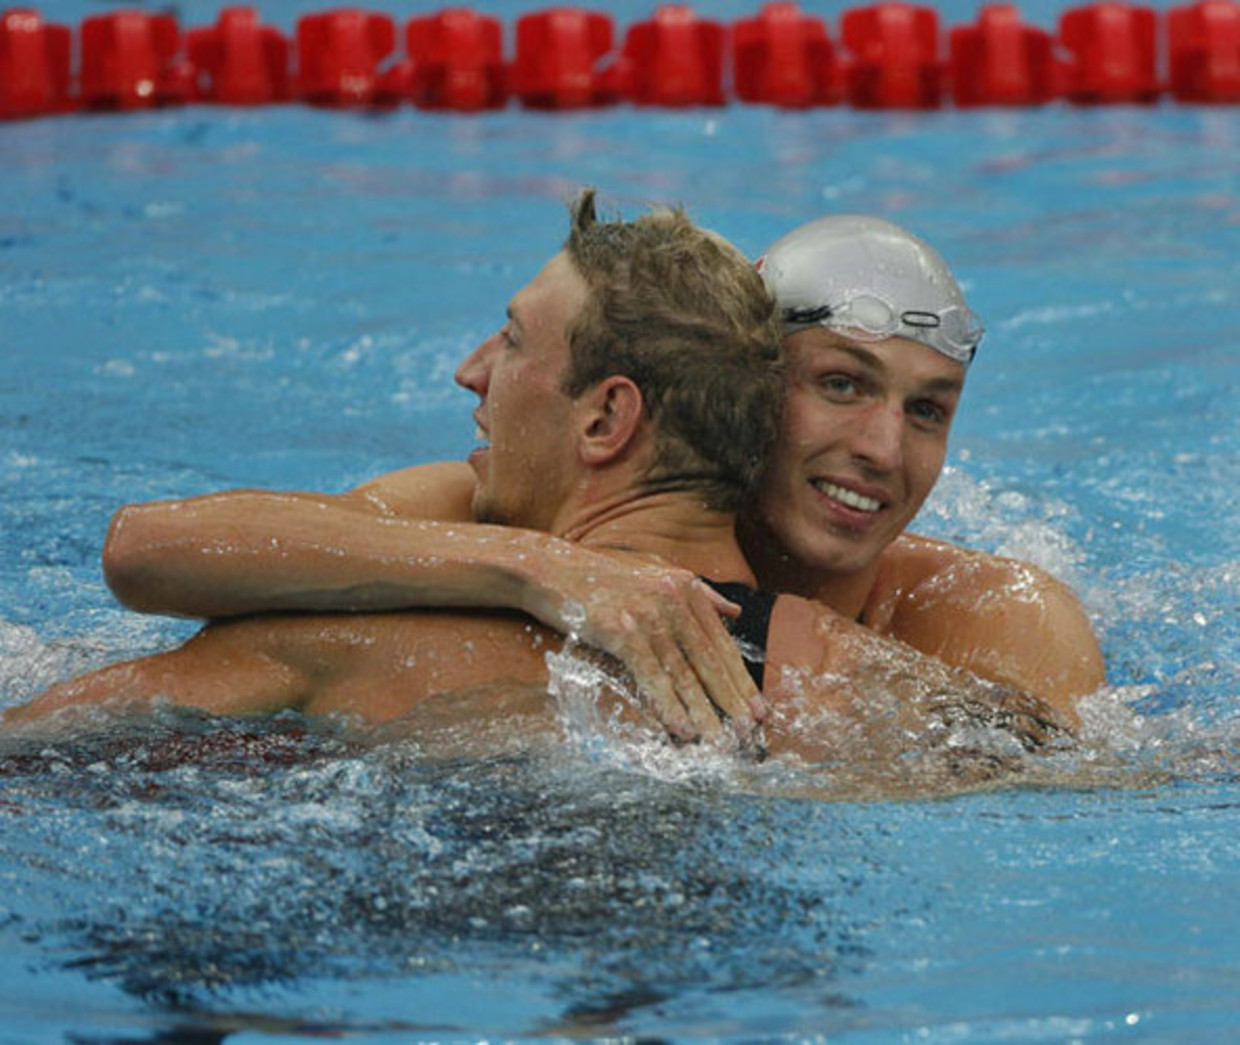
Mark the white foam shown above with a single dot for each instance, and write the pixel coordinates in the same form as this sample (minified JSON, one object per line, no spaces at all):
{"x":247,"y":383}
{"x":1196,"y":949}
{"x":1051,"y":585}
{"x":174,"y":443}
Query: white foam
{"x":28,"y":664}
{"x":580,"y":687}
{"x":1005,"y":522}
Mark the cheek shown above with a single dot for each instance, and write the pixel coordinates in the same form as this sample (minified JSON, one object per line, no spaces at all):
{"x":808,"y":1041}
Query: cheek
{"x":505,"y":395}
{"x":806,"y":426}
{"x":925,"y":464}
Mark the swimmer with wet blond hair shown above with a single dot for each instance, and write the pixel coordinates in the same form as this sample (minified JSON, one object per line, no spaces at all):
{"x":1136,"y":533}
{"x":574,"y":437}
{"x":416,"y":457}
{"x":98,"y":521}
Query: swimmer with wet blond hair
{"x":878,"y":339}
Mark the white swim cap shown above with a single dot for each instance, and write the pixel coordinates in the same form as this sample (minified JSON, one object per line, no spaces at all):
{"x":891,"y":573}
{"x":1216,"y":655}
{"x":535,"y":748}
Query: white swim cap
{"x":871,"y":279}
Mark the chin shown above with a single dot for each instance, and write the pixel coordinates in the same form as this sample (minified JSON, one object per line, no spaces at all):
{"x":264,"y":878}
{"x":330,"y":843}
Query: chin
{"x":840,"y":556}
{"x":489,"y":515}
{"x":483,"y":509}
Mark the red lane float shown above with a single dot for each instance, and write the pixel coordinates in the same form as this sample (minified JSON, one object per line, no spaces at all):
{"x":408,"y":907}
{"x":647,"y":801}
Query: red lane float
{"x":458,"y":61}
{"x":339,"y":54}
{"x":34,"y":65}
{"x":783,"y":57}
{"x":674,"y":59}
{"x":892,"y":57}
{"x":888,"y":55}
{"x":131,"y":60}
{"x":558,"y":60}
{"x":239,"y":61}
{"x":1204,"y":45}
{"x":1001,"y":61}
{"x":1112,"y":55}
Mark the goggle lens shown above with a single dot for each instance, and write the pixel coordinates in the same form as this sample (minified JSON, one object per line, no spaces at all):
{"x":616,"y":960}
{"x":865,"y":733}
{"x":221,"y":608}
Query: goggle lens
{"x":955,"y":331}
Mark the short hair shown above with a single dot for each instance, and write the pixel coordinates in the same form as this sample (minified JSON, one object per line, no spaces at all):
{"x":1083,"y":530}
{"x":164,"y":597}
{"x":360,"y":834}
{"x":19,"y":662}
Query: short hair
{"x":685,"y":316}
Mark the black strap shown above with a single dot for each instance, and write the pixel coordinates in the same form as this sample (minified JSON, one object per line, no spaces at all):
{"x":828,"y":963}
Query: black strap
{"x":753,"y":626}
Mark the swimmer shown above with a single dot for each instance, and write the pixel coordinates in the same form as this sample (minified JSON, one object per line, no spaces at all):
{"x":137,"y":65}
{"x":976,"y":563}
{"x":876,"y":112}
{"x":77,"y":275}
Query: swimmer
{"x":878,"y":338}
{"x":627,"y":406}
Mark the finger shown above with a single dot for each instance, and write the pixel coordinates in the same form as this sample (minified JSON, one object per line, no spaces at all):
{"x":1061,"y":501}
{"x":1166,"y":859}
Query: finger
{"x":654,"y":684}
{"x":713,"y":684}
{"x":722,"y":668}
{"x":720,"y":604}
{"x":690,"y":695}
{"x":661,"y":699}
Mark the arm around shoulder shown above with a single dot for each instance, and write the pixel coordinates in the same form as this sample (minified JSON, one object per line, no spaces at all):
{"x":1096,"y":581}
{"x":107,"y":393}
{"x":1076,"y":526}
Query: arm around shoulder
{"x":1007,"y":622}
{"x":247,"y":551}
{"x":846,"y":693}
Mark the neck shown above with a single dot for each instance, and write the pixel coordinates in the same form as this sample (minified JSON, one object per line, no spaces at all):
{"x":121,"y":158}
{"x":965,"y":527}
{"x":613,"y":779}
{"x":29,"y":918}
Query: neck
{"x":846,"y":593}
{"x":674,"y":526}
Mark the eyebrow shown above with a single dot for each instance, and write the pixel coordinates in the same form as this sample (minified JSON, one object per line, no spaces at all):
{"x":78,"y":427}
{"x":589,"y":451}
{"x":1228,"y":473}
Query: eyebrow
{"x":870,"y":360}
{"x":949,"y":385}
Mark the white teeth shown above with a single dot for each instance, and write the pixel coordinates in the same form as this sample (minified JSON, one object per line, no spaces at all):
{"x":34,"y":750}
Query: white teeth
{"x":480,"y":434}
{"x":848,"y":497}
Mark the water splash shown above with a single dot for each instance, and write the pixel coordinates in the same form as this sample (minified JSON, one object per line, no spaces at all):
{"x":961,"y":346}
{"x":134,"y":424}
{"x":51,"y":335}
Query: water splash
{"x":601,"y":719}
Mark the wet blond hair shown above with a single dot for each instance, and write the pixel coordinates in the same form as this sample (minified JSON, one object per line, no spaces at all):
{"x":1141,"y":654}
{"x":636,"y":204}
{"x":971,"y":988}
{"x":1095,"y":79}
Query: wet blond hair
{"x":684,"y":315}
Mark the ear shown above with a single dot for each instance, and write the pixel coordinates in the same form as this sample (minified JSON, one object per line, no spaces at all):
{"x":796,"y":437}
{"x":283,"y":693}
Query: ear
{"x":610,"y":419}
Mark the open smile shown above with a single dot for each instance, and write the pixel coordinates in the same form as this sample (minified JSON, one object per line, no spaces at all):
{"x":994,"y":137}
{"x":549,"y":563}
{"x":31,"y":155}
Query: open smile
{"x":483,"y":440}
{"x":481,"y":435}
{"x":848,"y":498}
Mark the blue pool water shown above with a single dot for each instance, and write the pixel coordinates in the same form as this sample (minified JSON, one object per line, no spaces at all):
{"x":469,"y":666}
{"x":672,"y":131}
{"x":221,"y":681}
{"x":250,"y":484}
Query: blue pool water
{"x":202,"y":299}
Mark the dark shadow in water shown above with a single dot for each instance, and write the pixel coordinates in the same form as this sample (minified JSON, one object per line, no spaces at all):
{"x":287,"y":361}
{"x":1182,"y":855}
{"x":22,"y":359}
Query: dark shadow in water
{"x":181,"y":1035}
{"x":294,"y":855}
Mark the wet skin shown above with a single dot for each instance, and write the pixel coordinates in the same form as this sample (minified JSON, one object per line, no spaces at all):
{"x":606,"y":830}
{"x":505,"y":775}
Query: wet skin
{"x":862,"y":443}
{"x":517,"y":373}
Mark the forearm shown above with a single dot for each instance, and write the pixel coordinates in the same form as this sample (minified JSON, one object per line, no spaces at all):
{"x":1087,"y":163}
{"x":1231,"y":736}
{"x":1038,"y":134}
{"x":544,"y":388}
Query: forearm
{"x":861,"y":695}
{"x":257,"y":552}
{"x":254,"y":552}
{"x":938,"y":697}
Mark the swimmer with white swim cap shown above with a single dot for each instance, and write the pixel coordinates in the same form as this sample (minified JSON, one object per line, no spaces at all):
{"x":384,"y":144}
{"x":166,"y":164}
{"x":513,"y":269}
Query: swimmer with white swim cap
{"x":878,"y":337}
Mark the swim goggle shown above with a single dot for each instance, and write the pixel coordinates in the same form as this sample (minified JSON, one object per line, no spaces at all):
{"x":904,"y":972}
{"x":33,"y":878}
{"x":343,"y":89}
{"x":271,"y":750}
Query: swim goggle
{"x":954,"y":331}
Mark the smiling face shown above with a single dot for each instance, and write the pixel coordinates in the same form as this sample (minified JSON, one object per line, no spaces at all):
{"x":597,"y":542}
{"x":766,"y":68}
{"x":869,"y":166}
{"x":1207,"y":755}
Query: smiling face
{"x":524,"y":469}
{"x":863,"y":441}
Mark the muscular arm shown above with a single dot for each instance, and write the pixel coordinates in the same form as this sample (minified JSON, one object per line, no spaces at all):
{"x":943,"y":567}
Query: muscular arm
{"x":952,"y":636}
{"x":405,"y":541}
{"x":846,"y":695}
{"x":251,"y":551}
{"x":1001,"y":620}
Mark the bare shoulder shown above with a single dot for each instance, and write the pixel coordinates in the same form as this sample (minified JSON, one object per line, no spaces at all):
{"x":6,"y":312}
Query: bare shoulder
{"x":379,"y":666}
{"x":442,"y":491}
{"x":1003,"y":619}
{"x":919,"y":573}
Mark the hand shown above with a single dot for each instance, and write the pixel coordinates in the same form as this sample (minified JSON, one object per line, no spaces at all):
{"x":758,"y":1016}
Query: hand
{"x":665,"y":626}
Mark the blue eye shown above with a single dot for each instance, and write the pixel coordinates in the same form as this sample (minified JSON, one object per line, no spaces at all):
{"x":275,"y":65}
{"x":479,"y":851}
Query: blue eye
{"x":928,"y":412}
{"x":837,"y":384}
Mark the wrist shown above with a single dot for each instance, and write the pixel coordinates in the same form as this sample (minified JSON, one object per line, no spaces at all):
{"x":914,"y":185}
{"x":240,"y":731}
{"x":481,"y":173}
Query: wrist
{"x":535,"y":566}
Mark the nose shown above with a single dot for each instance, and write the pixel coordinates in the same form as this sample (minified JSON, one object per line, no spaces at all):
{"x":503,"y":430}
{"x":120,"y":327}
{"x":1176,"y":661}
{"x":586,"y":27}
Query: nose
{"x":474,"y":371}
{"x":877,"y":437}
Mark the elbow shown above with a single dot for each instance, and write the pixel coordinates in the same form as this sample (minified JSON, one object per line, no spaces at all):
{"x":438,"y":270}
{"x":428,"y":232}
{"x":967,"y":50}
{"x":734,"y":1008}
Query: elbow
{"x":127,"y":554}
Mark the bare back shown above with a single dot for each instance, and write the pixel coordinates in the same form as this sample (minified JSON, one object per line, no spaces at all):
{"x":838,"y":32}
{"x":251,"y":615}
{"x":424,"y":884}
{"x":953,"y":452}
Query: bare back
{"x":378,"y":667}
{"x":372,"y":667}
